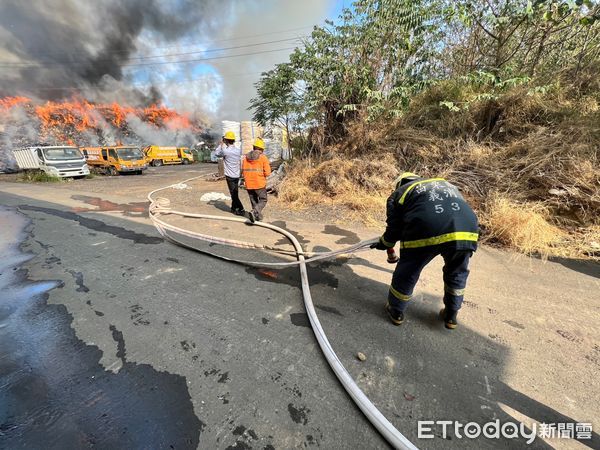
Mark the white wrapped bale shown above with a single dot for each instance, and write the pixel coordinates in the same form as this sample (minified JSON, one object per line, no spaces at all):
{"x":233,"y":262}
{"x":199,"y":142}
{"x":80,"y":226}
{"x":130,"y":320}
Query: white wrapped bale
{"x":250,"y":131}
{"x":247,"y":137}
{"x":274,"y":150}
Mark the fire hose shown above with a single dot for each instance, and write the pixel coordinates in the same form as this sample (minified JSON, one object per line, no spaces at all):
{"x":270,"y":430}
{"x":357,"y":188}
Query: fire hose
{"x":161,"y":207}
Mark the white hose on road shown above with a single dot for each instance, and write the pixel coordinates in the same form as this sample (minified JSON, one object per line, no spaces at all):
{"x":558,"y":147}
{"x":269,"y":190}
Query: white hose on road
{"x":160,"y":206}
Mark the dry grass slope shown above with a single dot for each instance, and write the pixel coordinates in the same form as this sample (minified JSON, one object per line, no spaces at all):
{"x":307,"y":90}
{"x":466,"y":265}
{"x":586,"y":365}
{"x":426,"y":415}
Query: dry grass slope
{"x":528,"y":163}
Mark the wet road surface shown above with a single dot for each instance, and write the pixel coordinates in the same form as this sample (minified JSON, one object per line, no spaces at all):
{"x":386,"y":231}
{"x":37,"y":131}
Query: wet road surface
{"x":54,"y":392}
{"x":130,"y":342}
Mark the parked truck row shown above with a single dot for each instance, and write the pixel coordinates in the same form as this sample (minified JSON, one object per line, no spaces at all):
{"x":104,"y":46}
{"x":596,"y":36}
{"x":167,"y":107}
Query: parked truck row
{"x":70,"y":161}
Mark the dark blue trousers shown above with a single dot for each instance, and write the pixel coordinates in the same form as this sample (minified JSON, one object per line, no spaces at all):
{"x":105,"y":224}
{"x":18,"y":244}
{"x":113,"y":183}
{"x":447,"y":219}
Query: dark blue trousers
{"x":408,"y":270}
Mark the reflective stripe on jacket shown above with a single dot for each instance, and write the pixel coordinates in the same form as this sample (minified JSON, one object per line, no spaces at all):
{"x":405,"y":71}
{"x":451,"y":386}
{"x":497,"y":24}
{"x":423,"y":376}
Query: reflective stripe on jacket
{"x":430,"y":212}
{"x":256,"y":171}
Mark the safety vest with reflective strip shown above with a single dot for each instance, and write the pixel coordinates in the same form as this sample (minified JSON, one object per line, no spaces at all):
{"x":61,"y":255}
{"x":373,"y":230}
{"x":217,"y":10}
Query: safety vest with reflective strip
{"x":256,"y":171}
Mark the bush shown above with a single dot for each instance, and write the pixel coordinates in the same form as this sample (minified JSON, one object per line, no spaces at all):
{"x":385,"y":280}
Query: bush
{"x":523,"y":227}
{"x":38,"y":176}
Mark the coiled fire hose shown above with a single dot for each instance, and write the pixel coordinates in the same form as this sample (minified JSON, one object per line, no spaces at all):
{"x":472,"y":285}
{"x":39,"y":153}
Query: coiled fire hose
{"x":161,"y":206}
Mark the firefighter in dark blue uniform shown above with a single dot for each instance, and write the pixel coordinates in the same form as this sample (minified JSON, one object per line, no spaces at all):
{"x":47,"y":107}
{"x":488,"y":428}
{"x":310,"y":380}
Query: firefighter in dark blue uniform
{"x":429,"y":217}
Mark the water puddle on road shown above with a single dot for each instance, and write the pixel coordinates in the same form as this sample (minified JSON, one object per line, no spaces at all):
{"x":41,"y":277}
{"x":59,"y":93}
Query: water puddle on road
{"x":133,"y":209}
{"x":53,"y":391}
{"x":301,"y":239}
{"x":95,"y":224}
{"x":348,"y":237}
{"x":13,"y":282}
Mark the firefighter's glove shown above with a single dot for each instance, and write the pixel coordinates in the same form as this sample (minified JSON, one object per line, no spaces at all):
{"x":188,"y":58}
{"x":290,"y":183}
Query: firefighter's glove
{"x":379,"y":245}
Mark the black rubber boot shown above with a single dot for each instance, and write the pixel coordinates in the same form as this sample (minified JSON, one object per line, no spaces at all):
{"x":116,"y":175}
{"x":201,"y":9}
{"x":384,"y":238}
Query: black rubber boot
{"x":449,"y":318}
{"x":396,"y":317}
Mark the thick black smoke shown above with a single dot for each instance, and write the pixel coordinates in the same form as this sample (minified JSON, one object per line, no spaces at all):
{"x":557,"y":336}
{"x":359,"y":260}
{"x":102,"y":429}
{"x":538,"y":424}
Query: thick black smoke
{"x":101,"y":49}
{"x":54,"y":48}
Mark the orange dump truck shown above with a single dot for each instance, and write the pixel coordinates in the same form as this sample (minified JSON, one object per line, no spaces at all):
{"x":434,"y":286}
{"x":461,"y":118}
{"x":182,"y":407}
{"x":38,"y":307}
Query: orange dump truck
{"x":157,"y":156}
{"x":115,"y":160}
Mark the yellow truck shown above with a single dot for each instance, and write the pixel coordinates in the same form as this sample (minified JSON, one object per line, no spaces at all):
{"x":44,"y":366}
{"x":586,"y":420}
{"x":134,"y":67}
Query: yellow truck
{"x":115,"y":160}
{"x":157,"y":156}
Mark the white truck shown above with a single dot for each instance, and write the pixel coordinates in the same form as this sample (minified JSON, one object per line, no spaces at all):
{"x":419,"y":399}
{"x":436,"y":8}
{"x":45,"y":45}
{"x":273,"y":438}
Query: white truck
{"x":58,"y":161}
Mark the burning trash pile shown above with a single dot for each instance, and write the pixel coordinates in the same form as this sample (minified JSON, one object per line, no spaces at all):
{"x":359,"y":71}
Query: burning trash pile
{"x":26,"y":122}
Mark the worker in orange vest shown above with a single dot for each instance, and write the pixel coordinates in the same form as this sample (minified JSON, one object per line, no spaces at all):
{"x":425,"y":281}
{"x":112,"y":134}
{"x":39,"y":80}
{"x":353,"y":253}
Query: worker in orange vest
{"x":255,"y":170}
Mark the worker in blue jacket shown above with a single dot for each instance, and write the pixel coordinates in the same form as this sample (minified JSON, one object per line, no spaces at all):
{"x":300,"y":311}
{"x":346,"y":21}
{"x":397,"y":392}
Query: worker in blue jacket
{"x":429,"y":217}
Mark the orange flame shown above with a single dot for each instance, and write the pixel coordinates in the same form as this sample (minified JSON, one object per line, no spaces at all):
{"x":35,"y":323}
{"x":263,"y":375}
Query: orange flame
{"x":79,"y":114}
{"x":60,"y":119}
{"x":118,"y":112}
{"x":162,"y":116}
{"x":11,"y":102}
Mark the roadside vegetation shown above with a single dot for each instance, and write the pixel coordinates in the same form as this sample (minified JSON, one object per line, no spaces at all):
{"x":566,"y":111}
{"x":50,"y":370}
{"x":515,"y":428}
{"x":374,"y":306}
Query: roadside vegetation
{"x":502,"y":98}
{"x":37,"y":176}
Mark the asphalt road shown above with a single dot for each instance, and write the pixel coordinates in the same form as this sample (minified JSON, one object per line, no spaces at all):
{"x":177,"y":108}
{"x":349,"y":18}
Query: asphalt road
{"x":112,"y":338}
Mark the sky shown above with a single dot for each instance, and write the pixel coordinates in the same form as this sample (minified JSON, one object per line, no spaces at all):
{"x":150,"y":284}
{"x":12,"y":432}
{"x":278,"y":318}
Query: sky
{"x":197,"y":56}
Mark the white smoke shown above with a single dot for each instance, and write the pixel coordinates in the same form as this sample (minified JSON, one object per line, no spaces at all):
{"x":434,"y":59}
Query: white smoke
{"x":151,"y":135}
{"x":16,"y":129}
{"x":239,"y":19}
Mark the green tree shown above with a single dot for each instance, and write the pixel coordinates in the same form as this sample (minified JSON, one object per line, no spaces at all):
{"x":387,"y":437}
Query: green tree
{"x":371,"y":62}
{"x":279,"y":99}
{"x":510,"y":38}
{"x":380,"y":53}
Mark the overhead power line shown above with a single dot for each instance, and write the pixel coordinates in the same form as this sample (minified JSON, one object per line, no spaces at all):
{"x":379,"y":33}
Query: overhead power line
{"x":190,"y":60}
{"x":157,"y":83}
{"x":208,"y":59}
{"x":5,"y":64}
{"x":117,"y":52}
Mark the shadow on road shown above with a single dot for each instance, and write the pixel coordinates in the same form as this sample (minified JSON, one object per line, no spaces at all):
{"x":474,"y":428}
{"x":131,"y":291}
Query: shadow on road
{"x":436,"y":374}
{"x":585,"y":266}
{"x":220,"y":205}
